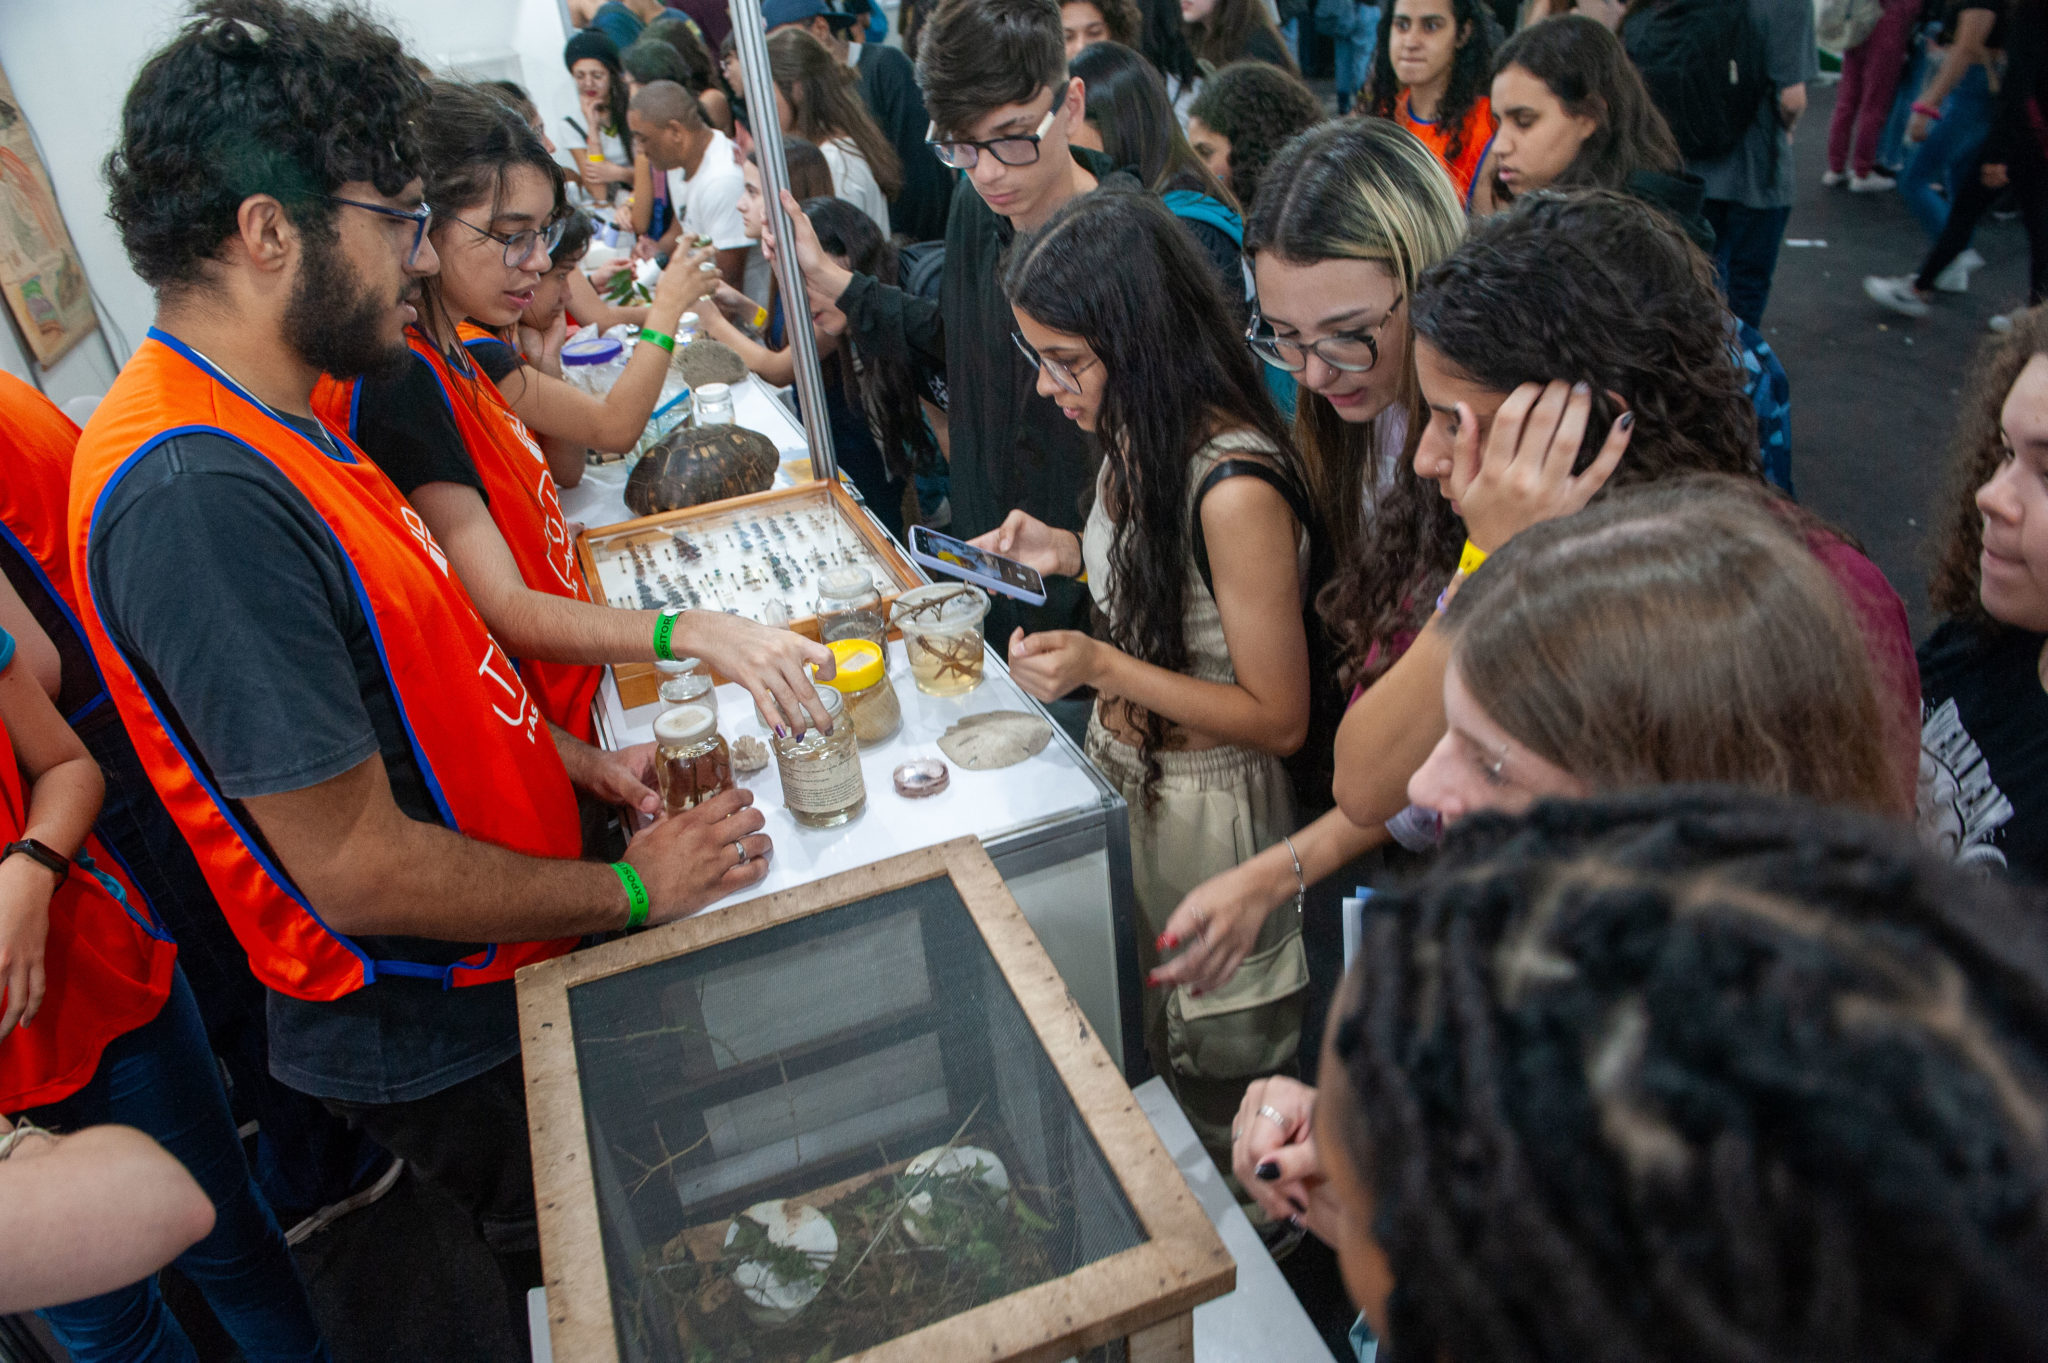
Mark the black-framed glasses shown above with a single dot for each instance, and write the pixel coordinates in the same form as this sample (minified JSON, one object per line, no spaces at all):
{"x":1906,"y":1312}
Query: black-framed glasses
{"x":961,"y":154}
{"x":1350,"y":352}
{"x":418,"y":217}
{"x":520,"y":246}
{"x":1062,"y":374}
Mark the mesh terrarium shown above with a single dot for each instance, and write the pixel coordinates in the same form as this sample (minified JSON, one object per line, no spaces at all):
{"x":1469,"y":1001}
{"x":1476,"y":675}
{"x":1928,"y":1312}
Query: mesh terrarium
{"x":862,"y":1117}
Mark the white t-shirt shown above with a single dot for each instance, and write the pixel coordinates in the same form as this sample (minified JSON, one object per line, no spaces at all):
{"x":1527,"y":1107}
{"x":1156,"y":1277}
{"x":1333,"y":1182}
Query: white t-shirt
{"x":854,"y":180}
{"x":708,"y":202}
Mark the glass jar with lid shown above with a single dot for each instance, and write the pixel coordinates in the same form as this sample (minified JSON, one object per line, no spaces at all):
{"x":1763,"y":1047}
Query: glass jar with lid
{"x":863,"y":683}
{"x":691,"y":760}
{"x":821,"y":780}
{"x":849,"y":607}
{"x":714,"y":405}
{"x":687,"y":681}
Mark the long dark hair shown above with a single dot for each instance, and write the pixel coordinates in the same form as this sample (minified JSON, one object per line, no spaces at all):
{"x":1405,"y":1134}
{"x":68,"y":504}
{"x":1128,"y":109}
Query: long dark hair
{"x":1117,"y":270}
{"x":617,"y":102}
{"x":1471,"y":71}
{"x":1586,"y":68}
{"x":1260,"y":108}
{"x":676,"y":31}
{"x":1223,"y":37}
{"x":1127,"y":104}
{"x":1974,"y":455}
{"x":887,"y":386}
{"x":830,"y":106}
{"x":1363,"y":189}
{"x":472,"y":140}
{"x":1165,"y":43}
{"x":1588,"y":286}
{"x":1692,"y":1073}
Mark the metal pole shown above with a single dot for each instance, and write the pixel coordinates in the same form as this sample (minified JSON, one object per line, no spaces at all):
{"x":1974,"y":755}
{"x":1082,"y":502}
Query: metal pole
{"x":750,"y":41}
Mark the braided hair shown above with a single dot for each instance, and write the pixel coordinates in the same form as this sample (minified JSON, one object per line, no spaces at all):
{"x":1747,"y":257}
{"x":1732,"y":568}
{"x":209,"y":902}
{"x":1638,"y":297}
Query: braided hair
{"x":1705,"y":1075}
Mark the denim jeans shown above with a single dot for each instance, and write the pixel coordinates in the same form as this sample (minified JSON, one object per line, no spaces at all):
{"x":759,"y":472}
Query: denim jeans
{"x":1746,"y":242}
{"x":1354,"y":56}
{"x":160,"y":1078}
{"x":1891,"y":148}
{"x":1929,"y":186}
{"x":306,"y":1157}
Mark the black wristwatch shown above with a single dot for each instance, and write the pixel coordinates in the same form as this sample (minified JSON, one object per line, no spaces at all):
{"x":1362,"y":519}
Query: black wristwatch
{"x":41,"y":853}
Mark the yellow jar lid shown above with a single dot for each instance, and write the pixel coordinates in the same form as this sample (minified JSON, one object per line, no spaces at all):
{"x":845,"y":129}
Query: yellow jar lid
{"x":860,"y":665}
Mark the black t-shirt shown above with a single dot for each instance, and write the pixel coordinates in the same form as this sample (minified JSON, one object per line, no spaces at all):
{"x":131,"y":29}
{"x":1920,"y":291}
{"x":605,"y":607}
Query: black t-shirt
{"x":274,"y":686}
{"x":494,"y":357}
{"x":404,"y":422}
{"x":1984,"y":747}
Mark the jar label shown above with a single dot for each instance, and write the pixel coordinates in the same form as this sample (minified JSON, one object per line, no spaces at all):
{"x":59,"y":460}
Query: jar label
{"x":822,"y":784}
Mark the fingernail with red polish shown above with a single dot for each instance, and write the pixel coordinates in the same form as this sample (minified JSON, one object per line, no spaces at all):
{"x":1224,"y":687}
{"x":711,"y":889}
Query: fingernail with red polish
{"x":1167,"y":941}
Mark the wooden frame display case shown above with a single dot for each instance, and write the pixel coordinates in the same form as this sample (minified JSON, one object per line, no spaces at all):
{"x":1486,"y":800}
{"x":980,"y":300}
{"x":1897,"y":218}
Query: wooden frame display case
{"x":861,"y":1118}
{"x":749,"y":555}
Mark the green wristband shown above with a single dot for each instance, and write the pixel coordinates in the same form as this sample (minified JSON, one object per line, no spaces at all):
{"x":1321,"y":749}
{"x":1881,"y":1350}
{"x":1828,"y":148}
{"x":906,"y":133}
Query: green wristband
{"x":664,"y":630}
{"x":660,"y":338}
{"x":636,"y":894}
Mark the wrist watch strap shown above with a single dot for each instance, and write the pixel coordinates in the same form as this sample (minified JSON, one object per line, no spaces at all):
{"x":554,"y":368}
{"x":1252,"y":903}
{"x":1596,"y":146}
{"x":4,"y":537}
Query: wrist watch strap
{"x":41,"y":853}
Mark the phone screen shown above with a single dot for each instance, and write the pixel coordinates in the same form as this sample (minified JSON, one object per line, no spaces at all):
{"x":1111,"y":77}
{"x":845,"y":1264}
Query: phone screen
{"x":970,"y":559}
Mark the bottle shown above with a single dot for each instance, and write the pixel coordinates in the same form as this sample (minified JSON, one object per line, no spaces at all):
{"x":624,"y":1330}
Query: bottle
{"x":821,"y":779}
{"x":849,"y":607}
{"x":863,"y":682}
{"x":687,"y":681}
{"x":714,"y":405}
{"x":691,"y":760}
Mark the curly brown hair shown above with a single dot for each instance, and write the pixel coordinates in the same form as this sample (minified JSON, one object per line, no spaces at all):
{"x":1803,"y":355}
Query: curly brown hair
{"x":1588,"y":285}
{"x":1974,"y":454}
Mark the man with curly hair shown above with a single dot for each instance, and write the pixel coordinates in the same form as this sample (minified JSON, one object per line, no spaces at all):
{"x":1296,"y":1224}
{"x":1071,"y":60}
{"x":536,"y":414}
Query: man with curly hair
{"x":386,"y":822}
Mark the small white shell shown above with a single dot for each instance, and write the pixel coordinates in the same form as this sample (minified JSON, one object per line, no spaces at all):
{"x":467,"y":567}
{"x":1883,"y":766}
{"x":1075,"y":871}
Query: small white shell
{"x":943,"y":1162}
{"x":793,"y":1225}
{"x":749,"y":754}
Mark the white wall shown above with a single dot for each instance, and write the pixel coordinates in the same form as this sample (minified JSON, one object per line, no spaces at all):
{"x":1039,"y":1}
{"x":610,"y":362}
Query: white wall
{"x":71,"y":63}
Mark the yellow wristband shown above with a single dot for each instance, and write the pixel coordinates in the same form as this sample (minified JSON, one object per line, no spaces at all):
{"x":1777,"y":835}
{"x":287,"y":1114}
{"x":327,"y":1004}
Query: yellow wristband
{"x":760,"y":317}
{"x":1471,"y":558}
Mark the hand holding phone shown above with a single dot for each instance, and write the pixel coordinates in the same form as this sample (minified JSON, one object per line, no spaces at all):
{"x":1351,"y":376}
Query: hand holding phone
{"x":958,"y":558}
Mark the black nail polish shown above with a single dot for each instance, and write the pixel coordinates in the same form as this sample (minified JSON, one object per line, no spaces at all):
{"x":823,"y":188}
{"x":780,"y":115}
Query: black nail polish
{"x":1628,"y":420}
{"x":1269,"y":1172}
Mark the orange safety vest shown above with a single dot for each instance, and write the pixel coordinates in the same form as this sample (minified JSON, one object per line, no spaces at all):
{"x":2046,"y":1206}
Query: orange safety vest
{"x":489,"y":764}
{"x":106,"y":967}
{"x":1478,"y":139}
{"x":524,"y":503}
{"x":36,"y":440}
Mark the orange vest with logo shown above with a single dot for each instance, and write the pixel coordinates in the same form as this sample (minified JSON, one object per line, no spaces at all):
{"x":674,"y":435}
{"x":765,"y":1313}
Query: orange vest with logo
{"x":524,"y":503}
{"x":106,"y":967}
{"x":483,"y":753}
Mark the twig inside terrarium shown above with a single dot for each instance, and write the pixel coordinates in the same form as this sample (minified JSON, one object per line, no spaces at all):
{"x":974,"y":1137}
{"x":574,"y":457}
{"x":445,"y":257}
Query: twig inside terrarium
{"x":951,"y":1141}
{"x":933,"y":605}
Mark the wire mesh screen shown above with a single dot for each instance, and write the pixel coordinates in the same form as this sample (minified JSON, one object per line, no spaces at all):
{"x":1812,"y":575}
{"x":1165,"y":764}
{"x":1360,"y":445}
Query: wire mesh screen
{"x":828,"y":1134}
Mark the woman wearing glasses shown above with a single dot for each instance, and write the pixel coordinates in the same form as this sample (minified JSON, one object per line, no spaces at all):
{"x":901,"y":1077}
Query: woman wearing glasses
{"x":472,"y":468}
{"x":1197,"y":555}
{"x":1348,"y":216}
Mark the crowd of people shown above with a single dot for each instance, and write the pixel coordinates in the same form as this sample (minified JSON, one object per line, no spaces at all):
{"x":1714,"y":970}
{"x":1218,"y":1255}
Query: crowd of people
{"x":1413,"y":492}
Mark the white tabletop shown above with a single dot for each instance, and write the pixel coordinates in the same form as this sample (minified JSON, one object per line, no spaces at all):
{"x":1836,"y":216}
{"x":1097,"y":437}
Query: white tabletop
{"x":988,"y":804}
{"x":600,"y":499}
{"x":1262,"y":1320}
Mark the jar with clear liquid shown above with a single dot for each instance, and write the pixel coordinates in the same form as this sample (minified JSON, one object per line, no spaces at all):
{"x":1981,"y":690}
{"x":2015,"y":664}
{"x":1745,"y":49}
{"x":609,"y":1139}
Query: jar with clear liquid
{"x":849,"y":607}
{"x":691,"y":760}
{"x":821,"y":780}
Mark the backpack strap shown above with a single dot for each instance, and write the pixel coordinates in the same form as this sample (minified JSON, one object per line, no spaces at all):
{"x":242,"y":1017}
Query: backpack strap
{"x":1242,"y":468}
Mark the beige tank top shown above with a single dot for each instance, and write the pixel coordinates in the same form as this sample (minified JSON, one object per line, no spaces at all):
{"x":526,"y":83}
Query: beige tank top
{"x":1208,"y":653}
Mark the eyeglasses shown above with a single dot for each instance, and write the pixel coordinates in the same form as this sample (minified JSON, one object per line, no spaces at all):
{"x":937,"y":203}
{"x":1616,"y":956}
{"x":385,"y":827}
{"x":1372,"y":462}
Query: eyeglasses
{"x":1350,"y":352}
{"x":521,"y":247}
{"x":1062,"y":374}
{"x":1010,"y":151}
{"x":418,"y":217}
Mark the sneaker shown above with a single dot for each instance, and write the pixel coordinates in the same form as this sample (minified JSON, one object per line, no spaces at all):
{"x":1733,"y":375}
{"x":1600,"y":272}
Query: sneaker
{"x":2000,"y":323}
{"x":1829,"y":179}
{"x":1956,"y":278}
{"x":354,"y":1202}
{"x":1872,"y":183}
{"x":1898,"y":294}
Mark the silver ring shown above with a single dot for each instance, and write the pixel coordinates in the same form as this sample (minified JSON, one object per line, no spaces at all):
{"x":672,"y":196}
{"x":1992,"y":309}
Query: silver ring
{"x":742,"y":847}
{"x":1274,"y":1115}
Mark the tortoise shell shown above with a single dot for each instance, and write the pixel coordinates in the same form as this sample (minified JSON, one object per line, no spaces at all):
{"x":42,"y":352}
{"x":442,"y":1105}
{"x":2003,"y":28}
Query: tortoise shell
{"x":708,"y":361}
{"x":699,"y":464}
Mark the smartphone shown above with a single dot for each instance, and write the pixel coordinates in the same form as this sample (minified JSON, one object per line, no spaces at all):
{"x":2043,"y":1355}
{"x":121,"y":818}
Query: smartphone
{"x":958,"y":558}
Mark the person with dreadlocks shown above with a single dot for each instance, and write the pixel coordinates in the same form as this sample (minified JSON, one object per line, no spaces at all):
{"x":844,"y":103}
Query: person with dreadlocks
{"x":460,"y":452}
{"x":1197,"y":554}
{"x":1692,"y":1073}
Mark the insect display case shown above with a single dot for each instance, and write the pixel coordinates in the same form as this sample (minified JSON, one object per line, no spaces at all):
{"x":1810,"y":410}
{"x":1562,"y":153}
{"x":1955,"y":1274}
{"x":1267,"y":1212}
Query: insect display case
{"x":860,"y":1117}
{"x":758,"y":556}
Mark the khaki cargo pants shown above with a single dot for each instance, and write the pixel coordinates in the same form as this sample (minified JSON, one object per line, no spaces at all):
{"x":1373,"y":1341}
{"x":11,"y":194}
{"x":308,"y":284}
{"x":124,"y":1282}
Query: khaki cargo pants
{"x":1213,"y":809}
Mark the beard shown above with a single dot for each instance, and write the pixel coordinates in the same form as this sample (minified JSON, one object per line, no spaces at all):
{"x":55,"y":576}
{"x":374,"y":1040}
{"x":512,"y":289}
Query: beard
{"x":333,"y":323}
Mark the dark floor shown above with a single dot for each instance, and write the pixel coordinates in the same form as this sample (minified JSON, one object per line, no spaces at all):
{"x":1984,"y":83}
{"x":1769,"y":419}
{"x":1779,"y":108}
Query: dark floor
{"x":1873,"y":398}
